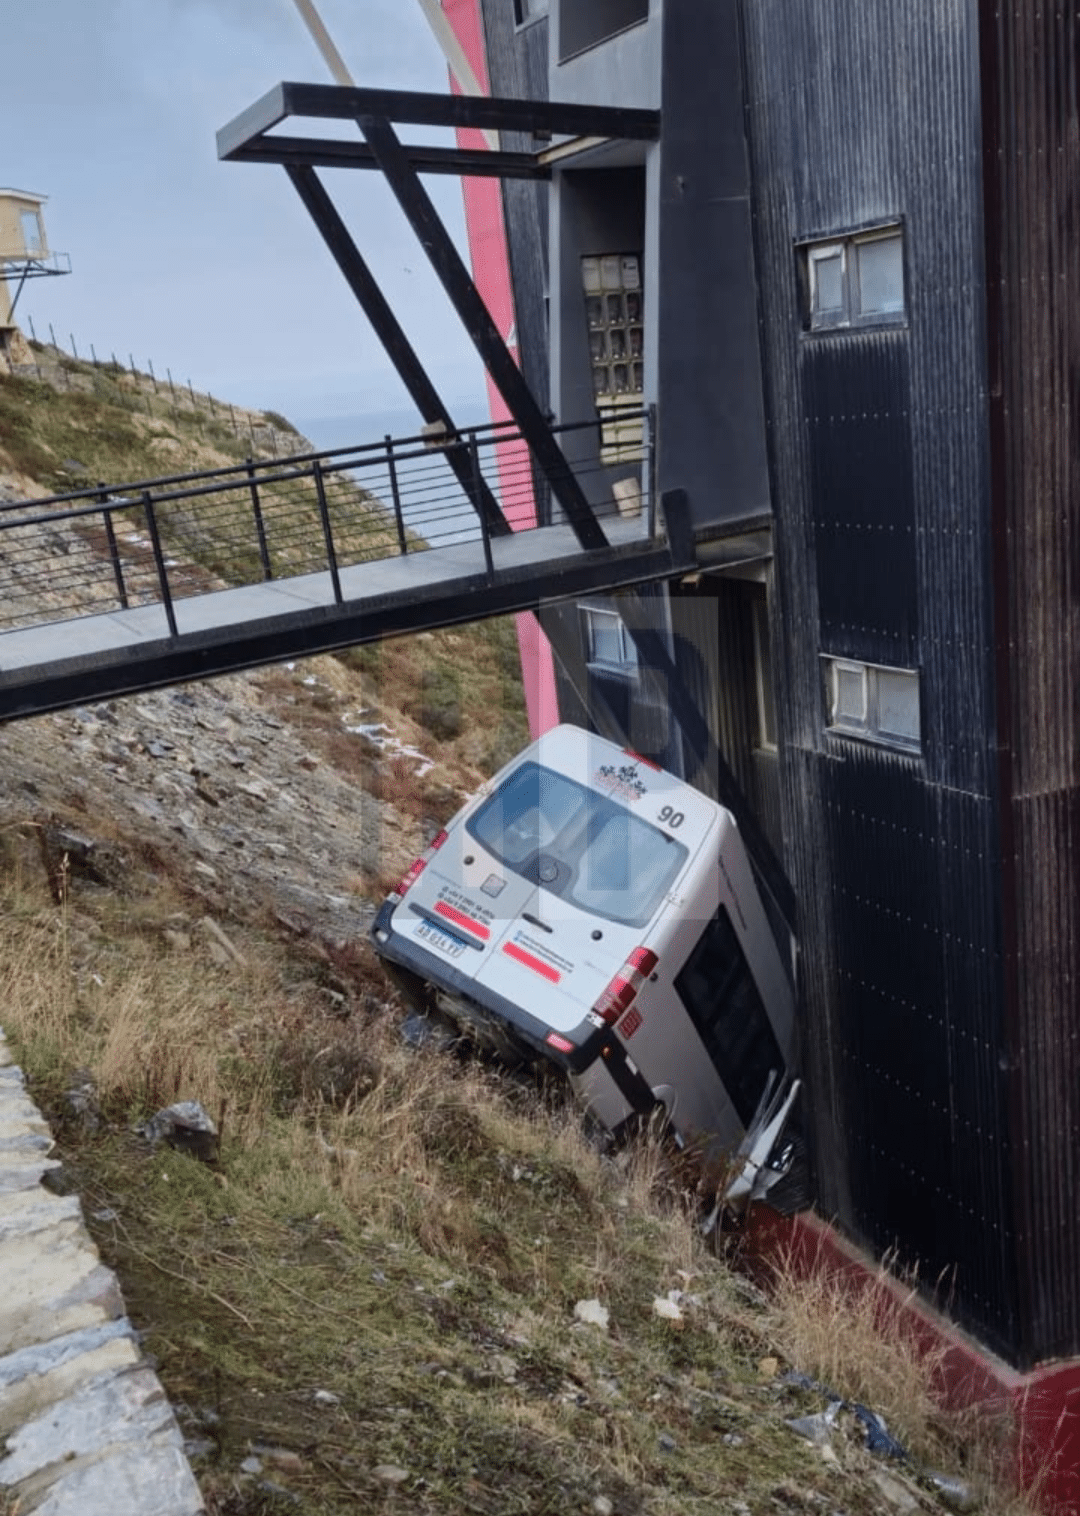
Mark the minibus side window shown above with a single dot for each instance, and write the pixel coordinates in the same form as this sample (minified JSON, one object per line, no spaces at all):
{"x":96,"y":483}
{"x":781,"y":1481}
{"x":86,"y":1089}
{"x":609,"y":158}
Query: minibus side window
{"x":725,"y":1005}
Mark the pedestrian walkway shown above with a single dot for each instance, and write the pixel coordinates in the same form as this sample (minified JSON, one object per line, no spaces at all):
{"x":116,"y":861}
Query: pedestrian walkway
{"x":116,"y":590}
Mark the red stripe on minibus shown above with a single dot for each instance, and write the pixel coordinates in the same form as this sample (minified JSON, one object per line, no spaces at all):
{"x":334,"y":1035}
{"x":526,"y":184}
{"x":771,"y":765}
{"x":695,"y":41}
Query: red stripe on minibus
{"x":477,"y":928}
{"x":537,"y":965}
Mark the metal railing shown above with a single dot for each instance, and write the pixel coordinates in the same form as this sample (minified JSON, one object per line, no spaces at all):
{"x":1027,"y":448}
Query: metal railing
{"x":119,"y":546}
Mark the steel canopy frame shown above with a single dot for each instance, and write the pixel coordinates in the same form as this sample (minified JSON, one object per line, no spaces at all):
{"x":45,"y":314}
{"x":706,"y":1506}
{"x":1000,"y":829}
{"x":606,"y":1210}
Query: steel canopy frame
{"x":249,"y":139}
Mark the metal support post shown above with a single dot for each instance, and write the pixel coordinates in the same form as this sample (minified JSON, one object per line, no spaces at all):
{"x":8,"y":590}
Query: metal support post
{"x":328,"y":536}
{"x":395,"y":493}
{"x":159,"y":560}
{"x":260,"y":524}
{"x":114,"y":548}
{"x":474,"y":454}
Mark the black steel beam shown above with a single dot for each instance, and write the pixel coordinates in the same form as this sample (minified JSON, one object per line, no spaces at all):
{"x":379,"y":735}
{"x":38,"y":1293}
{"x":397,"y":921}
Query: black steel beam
{"x":505,"y":374}
{"x":482,"y":112}
{"x":398,"y":347}
{"x":329,"y":152}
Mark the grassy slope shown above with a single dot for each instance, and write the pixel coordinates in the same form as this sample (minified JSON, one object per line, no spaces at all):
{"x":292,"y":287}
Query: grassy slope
{"x":404,"y":1232}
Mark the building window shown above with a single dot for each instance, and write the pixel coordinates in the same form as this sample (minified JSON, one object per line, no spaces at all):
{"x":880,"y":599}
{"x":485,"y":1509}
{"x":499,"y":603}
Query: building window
{"x":608,"y":644}
{"x":529,"y":10}
{"x":30,"y":222}
{"x":586,"y":23}
{"x":867,"y":700}
{"x":854,"y":281}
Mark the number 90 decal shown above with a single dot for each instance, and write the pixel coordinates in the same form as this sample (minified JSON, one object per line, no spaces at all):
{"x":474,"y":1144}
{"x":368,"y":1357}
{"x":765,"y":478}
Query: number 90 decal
{"x":672,"y":818}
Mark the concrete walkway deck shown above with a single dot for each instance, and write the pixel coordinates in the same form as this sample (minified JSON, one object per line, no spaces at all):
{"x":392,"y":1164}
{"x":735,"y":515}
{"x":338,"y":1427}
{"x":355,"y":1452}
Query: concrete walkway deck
{"x":85,"y":1428}
{"x":52,"y":664}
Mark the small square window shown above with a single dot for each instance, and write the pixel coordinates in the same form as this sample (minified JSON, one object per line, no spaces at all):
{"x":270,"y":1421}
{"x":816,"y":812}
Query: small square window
{"x":898,"y":704}
{"x":880,"y":262}
{"x":854,"y":281}
{"x":827,"y":281}
{"x":607,"y":641}
{"x":867,"y":700}
{"x":849,"y":694}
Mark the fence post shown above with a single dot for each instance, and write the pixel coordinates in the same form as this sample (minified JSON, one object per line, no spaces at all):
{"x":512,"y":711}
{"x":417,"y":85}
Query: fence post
{"x":260,"y":525}
{"x":391,"y":463}
{"x":114,"y":547}
{"x":331,"y":556}
{"x":159,"y":560}
{"x":478,"y":482}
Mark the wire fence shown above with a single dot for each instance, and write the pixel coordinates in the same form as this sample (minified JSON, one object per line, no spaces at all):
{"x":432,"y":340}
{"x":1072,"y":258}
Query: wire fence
{"x":156,"y":541}
{"x":263,"y":432}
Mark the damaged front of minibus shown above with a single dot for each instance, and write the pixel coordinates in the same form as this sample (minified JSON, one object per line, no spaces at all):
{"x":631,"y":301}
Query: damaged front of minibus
{"x":593,"y":911}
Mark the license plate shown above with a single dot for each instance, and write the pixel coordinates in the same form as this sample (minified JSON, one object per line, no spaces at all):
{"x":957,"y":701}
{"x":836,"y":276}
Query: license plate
{"x":446,"y":942}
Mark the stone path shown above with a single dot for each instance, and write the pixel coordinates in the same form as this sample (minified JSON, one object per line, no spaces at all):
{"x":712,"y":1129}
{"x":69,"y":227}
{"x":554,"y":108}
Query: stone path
{"x":85,"y":1429}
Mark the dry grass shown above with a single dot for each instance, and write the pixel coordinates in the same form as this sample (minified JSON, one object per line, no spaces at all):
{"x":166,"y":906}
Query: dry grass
{"x":410,"y":1232}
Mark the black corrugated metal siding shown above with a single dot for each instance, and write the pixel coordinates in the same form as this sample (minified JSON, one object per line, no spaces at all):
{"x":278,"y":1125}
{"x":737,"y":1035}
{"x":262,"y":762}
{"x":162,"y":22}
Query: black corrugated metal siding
{"x":1030,"y":58}
{"x":860,"y":115}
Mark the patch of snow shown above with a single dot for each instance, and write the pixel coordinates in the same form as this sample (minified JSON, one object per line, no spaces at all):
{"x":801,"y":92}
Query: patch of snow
{"x":383,"y":737}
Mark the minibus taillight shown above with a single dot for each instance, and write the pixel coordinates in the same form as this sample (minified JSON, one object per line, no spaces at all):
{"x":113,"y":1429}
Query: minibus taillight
{"x":406,"y":882}
{"x":560,"y":1043}
{"x":622,"y":990}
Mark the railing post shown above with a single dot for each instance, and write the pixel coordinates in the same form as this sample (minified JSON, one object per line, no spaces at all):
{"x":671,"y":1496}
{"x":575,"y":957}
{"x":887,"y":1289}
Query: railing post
{"x":260,"y":525}
{"x":391,"y":464}
{"x":478,"y":480}
{"x":331,"y":556}
{"x":159,"y":559}
{"x":114,"y":547}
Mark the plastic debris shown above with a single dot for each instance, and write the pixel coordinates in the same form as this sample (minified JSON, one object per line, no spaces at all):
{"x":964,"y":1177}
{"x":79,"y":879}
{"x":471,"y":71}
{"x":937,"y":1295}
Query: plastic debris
{"x":879,"y":1440}
{"x":667,"y":1308}
{"x":185,"y":1126}
{"x":592,"y":1313}
{"x":816,"y":1429}
{"x":954,"y":1492}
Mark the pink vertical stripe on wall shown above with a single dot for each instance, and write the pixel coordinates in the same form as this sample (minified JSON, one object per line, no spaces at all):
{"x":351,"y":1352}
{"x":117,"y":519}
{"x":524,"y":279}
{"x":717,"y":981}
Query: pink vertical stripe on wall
{"x":491,"y":273}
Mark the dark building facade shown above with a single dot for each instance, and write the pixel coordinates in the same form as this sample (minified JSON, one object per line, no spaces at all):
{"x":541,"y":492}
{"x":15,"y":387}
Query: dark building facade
{"x":856,"y":250}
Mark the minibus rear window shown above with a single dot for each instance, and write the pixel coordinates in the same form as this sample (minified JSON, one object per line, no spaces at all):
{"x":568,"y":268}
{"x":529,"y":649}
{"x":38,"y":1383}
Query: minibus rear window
{"x":578,"y":844}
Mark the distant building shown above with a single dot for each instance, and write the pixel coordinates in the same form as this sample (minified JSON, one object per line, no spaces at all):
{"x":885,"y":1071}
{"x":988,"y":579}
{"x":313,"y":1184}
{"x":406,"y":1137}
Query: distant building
{"x":24,"y":253}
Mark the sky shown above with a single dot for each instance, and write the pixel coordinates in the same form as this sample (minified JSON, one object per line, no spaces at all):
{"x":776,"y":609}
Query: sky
{"x":214,"y":270}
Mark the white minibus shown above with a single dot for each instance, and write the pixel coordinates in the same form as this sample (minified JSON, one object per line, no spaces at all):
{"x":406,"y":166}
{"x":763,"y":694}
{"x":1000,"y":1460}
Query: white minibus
{"x":591,"y":909}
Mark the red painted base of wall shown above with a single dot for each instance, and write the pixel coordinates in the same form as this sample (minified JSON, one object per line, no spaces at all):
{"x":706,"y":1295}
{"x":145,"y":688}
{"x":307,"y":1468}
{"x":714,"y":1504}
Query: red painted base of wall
{"x":1042,"y":1406}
